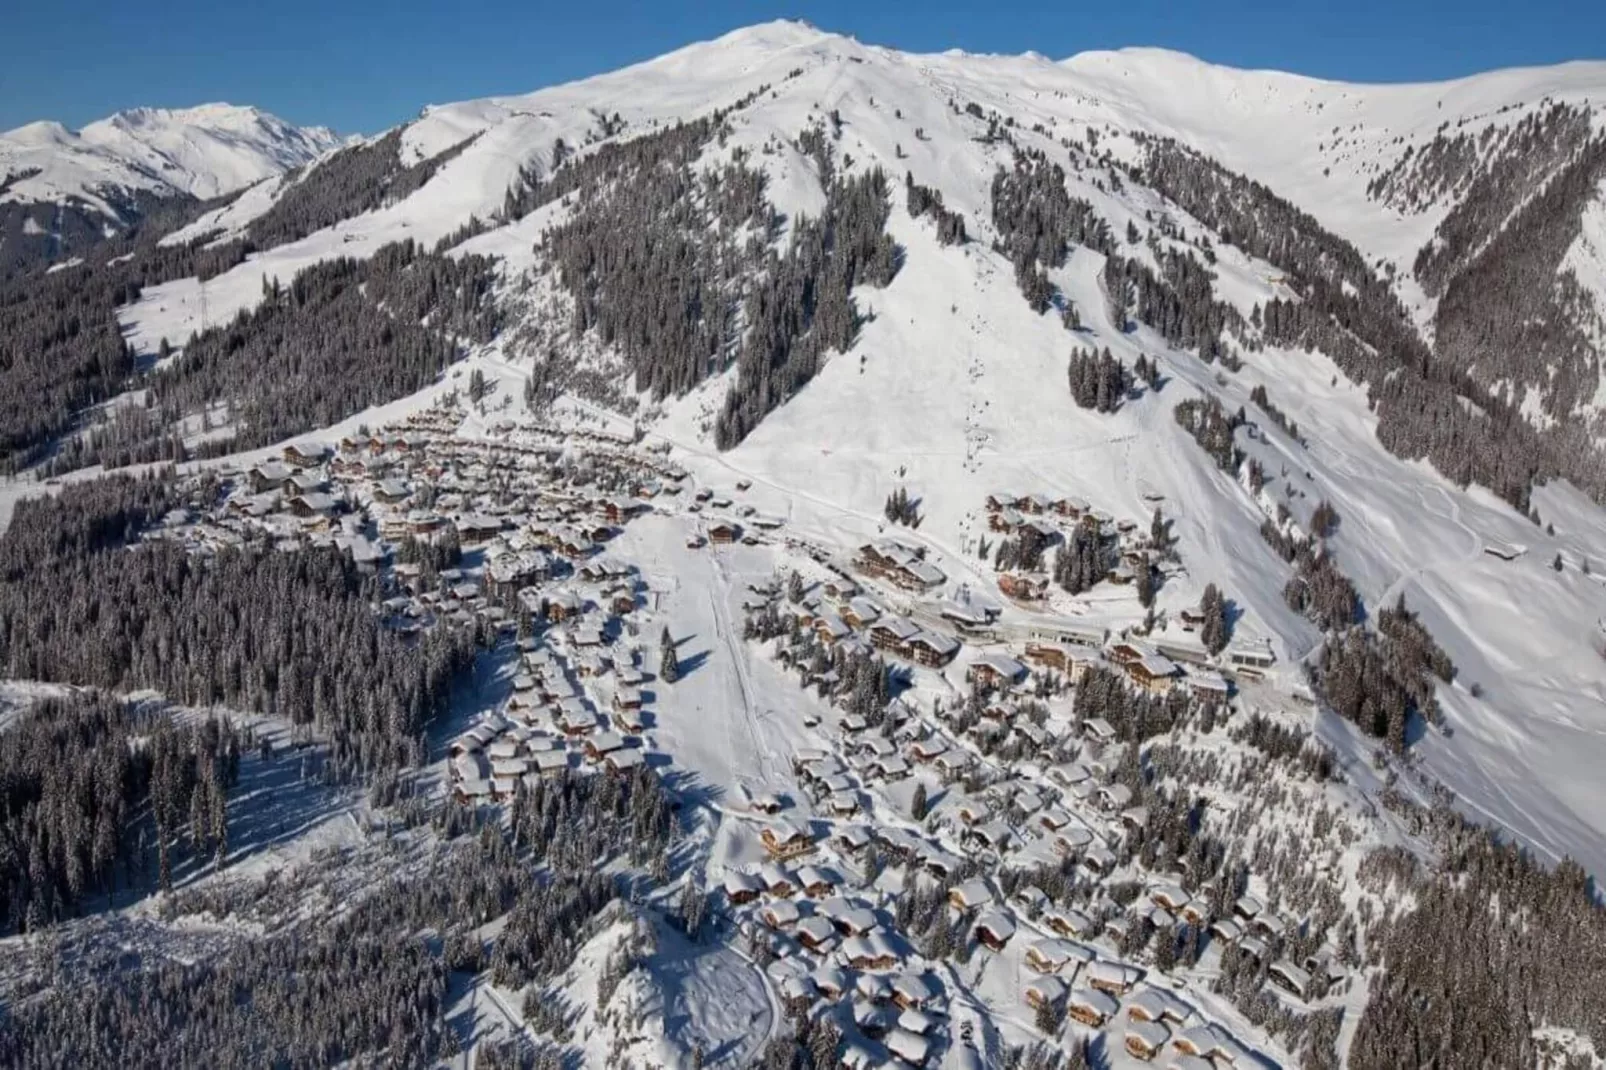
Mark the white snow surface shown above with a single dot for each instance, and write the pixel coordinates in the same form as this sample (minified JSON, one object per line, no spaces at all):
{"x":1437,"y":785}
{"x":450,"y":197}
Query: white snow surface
{"x":955,"y":388}
{"x":204,"y":151}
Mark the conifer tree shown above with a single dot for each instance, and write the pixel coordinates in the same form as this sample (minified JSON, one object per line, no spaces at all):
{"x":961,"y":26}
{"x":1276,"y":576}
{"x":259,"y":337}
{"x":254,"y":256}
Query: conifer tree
{"x":668,"y":661}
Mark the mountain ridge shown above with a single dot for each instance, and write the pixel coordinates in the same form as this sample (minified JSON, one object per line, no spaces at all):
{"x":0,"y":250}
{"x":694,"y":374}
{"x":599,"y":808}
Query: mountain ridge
{"x":63,"y":191}
{"x":203,"y":151}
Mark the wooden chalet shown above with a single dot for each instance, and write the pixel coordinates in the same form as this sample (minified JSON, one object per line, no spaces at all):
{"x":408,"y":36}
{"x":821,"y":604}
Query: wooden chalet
{"x":1091,"y":1007}
{"x":624,"y":760}
{"x":314,"y":505}
{"x":1050,"y":955}
{"x":1292,"y":979}
{"x":908,"y":1048}
{"x":1067,"y":922}
{"x":621,"y":510}
{"x":1156,"y":1005}
{"x":872,"y":951}
{"x":1145,"y":1040}
{"x":785,"y":840}
{"x":1153,"y":673}
{"x":1112,"y":977}
{"x":912,"y":992}
{"x":271,"y":475}
{"x":994,"y":930}
{"x":816,"y":934}
{"x":601,"y":744}
{"x":563,"y":605}
{"x":780,"y":914}
{"x":902,"y":565}
{"x":816,"y":882}
{"x":1209,"y":1042}
{"x":307,"y":454}
{"x":742,"y":888}
{"x":1045,"y":991}
{"x":972,"y":895}
{"x":996,"y":670}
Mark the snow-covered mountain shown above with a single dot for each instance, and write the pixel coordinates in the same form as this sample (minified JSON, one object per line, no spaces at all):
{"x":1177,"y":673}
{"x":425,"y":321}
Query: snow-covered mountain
{"x":1396,"y":170}
{"x":62,"y":190}
{"x":956,"y":386}
{"x":204,"y":152}
{"x":806,"y":280}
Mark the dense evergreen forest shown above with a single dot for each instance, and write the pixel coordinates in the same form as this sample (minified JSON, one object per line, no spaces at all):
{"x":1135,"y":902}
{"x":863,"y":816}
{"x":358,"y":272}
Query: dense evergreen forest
{"x":676,"y":266}
{"x":343,"y":335}
{"x":1511,"y":315}
{"x":359,"y":178}
{"x":926,"y":201}
{"x":60,"y":344}
{"x":368,"y":983}
{"x":1537,"y":931}
{"x":349,"y":334}
{"x":803,"y":309}
{"x":77,"y":775}
{"x":1427,"y":406}
{"x":1038,"y":221}
{"x":287,"y":633}
{"x":34,"y":234}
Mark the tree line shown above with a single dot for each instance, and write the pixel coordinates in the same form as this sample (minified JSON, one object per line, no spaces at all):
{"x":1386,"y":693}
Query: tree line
{"x":802,"y":307}
{"x":925,"y":200}
{"x":1098,"y":380}
{"x":367,"y":984}
{"x":1213,"y":428}
{"x":1179,"y":302}
{"x":1376,"y":677}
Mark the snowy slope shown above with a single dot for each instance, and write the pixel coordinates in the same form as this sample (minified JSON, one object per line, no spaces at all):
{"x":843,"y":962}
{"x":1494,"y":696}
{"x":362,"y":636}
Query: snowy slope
{"x":956,"y":389}
{"x":203,"y":151}
{"x":1317,"y":143}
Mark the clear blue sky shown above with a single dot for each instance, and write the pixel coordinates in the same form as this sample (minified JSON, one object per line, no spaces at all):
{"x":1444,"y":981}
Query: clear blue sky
{"x":361,"y":65}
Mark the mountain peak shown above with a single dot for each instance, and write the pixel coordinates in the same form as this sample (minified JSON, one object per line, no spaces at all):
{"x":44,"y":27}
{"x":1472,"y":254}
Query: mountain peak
{"x":203,"y":151}
{"x":778,"y":33}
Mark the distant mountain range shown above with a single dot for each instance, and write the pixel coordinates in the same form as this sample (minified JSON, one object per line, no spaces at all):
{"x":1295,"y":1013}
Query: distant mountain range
{"x":61,"y":189}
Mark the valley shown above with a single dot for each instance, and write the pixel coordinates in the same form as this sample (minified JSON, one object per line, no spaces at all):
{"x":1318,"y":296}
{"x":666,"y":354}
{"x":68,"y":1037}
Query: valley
{"x":799,"y":554}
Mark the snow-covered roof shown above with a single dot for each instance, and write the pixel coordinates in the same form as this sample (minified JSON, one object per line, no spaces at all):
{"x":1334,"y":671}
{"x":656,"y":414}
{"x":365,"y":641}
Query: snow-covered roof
{"x":910,"y":1047}
{"x":997,"y":923}
{"x":1152,"y":1035}
{"x":1158,"y":665}
{"x":738,"y":883}
{"x":972,"y":893}
{"x":1113,"y":973}
{"x":817,"y":929}
{"x":914,"y":988}
{"x":1046,"y":987}
{"x":1101,"y":1003}
{"x":1003,"y":665}
{"x":627,"y":758}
